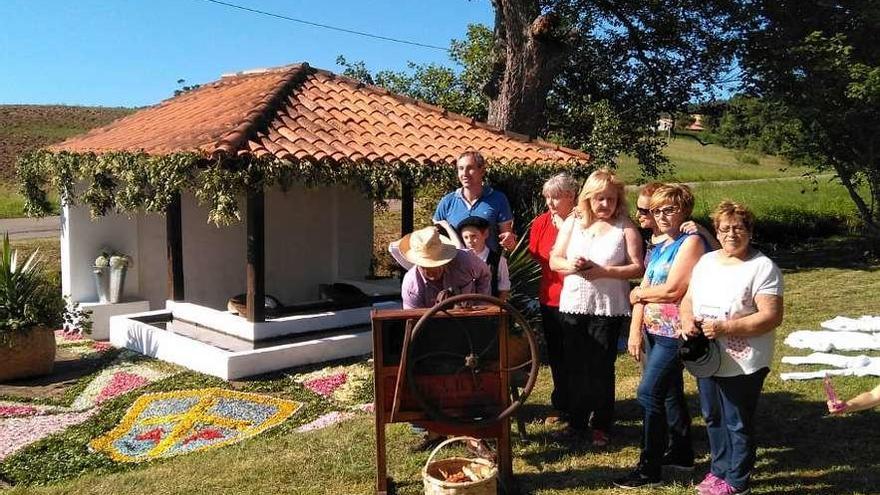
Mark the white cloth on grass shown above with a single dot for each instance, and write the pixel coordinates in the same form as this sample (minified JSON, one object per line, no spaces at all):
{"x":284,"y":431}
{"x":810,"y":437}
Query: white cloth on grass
{"x":846,"y":324}
{"x":847,"y":365}
{"x":836,"y":360}
{"x":827,"y":340}
{"x":811,"y":375}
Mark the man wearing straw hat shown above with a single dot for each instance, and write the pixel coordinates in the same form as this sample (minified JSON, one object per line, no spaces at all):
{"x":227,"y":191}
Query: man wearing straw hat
{"x":441,"y":270}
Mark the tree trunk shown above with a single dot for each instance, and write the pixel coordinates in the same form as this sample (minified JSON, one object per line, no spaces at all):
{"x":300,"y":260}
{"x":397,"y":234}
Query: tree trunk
{"x":528,"y":56}
{"x":870,"y":213}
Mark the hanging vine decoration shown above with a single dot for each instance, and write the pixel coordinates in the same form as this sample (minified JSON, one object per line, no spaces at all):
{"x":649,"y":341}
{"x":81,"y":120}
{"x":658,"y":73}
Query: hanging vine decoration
{"x":129,"y":183}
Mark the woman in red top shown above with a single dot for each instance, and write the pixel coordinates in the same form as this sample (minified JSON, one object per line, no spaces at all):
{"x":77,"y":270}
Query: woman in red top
{"x":560,"y":193}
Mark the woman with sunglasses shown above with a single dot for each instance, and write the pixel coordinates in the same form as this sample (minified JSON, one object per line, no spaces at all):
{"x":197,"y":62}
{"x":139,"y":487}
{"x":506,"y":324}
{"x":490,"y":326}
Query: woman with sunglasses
{"x":648,"y":227}
{"x":666,"y":420}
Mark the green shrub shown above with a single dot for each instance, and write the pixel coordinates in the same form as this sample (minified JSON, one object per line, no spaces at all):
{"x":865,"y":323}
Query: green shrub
{"x":746,"y":158}
{"x":787,"y":212}
{"x":27,"y":297}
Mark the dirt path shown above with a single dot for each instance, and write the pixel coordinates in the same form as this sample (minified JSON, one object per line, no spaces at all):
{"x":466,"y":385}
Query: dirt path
{"x":31,"y":228}
{"x":744,"y":181}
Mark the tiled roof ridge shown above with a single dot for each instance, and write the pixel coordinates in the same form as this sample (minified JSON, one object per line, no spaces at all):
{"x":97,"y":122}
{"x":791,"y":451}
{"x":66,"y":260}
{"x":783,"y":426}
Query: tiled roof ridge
{"x":262,"y":113}
{"x":451,"y":115}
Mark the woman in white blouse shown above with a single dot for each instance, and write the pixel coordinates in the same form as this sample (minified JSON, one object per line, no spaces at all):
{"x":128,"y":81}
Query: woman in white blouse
{"x":598,"y":250}
{"x":735,"y":298}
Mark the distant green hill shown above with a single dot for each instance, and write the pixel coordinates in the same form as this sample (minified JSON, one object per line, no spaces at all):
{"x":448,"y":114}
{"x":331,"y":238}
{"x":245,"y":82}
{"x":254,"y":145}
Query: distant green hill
{"x":29,"y":127}
{"x":696,"y":162}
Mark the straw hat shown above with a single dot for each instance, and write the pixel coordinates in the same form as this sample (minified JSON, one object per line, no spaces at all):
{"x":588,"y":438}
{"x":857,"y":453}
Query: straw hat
{"x":427,"y":249}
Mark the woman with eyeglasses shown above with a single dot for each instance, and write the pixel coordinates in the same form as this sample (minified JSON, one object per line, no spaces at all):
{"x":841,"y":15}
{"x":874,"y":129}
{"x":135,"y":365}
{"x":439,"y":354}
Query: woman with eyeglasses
{"x":597,"y":251}
{"x":735,"y":297}
{"x":651,"y":233}
{"x":666,"y":435}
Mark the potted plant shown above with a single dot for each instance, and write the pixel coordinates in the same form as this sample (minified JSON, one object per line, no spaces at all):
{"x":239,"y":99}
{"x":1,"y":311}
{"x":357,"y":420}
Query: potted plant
{"x":110,"y":269}
{"x":30,"y":308}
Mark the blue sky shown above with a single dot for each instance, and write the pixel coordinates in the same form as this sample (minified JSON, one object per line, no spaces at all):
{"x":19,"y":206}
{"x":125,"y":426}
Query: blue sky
{"x":132,"y":52}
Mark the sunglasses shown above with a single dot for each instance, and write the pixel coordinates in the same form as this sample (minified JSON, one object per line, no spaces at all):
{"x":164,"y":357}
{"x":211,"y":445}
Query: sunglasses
{"x":643,"y":211}
{"x":666,"y":211}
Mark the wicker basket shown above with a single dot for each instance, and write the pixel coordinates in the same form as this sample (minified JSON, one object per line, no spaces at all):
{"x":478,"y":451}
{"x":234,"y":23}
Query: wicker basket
{"x":434,"y":479}
{"x":28,"y":354}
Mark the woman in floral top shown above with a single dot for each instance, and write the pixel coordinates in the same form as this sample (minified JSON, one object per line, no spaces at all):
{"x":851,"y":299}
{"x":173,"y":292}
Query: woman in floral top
{"x":661,"y":390}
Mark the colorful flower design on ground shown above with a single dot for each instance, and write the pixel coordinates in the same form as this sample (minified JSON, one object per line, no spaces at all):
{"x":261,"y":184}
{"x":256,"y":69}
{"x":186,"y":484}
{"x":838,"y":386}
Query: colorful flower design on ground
{"x":115,"y":381}
{"x":172,"y":423}
{"x":344,"y":384}
{"x":16,"y":433}
{"x":62,"y":336}
{"x":329,"y":419}
{"x":335,"y":417}
{"x":11,"y":411}
{"x":82,"y":347}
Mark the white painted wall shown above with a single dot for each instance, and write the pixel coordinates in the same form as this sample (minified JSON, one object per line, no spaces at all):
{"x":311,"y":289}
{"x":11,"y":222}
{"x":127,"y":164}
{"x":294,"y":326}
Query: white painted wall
{"x":214,"y":261}
{"x":355,"y":236}
{"x":153,"y":268}
{"x":313,"y":236}
{"x":81,"y":242}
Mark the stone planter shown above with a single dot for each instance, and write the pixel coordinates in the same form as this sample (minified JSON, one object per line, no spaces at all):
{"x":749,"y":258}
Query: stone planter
{"x":102,"y":282}
{"x":117,"y":283}
{"x":28,"y":354}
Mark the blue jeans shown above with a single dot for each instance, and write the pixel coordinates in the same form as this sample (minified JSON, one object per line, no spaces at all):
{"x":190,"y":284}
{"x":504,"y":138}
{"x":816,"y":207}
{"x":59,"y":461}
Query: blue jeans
{"x":667,"y":423}
{"x":728,"y":405}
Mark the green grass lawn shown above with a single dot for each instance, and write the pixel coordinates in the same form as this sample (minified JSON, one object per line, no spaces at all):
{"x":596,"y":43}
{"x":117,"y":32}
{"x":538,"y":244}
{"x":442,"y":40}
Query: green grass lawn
{"x":694,"y":162}
{"x":801,"y":449}
{"x":12,"y":203}
{"x":787,"y":211}
{"x":50,"y":252}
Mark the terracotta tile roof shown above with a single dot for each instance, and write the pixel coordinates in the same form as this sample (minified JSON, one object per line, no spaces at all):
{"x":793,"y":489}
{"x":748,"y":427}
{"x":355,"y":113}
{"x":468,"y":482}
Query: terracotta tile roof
{"x":298,"y":112}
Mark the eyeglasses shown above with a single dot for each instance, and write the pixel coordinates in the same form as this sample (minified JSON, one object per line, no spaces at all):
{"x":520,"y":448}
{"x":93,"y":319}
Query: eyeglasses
{"x":666,"y":211}
{"x":736,"y":229}
{"x":643,"y":211}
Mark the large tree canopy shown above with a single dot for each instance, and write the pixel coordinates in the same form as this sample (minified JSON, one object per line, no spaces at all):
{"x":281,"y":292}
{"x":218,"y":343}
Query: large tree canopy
{"x":820,"y":59}
{"x":601,"y":70}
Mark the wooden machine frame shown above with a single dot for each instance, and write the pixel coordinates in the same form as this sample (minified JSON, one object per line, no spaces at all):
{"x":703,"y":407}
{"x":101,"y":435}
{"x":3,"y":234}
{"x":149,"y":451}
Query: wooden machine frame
{"x":394,"y":402}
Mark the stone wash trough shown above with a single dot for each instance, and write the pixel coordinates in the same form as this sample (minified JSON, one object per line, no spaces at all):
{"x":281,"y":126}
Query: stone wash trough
{"x":199,"y":331}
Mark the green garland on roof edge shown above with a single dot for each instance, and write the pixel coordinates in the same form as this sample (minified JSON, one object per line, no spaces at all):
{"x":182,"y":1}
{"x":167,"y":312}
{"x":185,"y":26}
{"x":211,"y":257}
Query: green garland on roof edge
{"x":129,"y":183}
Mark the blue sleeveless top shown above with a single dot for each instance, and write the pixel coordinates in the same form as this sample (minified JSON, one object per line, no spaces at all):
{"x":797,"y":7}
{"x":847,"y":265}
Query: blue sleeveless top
{"x":662,"y":318}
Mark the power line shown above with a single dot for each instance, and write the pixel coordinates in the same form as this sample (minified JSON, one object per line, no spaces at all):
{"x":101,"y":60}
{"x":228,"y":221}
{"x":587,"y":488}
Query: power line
{"x":327,"y":26}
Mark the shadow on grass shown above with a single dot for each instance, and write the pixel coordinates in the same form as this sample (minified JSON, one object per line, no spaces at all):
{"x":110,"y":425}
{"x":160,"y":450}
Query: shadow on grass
{"x":802,"y":450}
{"x":854,"y":253}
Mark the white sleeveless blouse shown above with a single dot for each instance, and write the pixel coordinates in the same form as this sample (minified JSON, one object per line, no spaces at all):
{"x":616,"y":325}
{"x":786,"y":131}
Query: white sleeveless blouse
{"x":603,"y":296}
